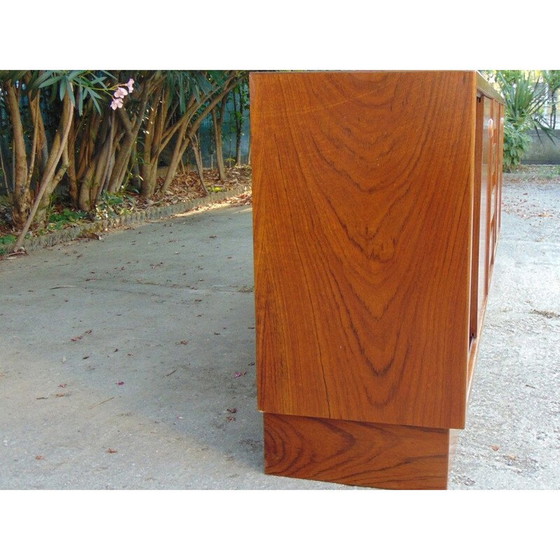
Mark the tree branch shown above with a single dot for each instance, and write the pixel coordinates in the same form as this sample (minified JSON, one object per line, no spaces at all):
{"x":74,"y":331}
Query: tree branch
{"x":68,"y":112}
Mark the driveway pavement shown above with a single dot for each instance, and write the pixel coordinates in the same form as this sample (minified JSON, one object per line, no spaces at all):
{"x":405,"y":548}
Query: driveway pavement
{"x":128,"y":362}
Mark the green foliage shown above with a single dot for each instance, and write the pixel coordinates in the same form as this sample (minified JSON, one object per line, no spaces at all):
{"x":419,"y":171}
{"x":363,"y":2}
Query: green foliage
{"x":526,"y":94}
{"x":6,"y":241}
{"x":516,"y":142}
{"x":65,"y":217}
{"x":79,"y":85}
{"x":103,"y":147}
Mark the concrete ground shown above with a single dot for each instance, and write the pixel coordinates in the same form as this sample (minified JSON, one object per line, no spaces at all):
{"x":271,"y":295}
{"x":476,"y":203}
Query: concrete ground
{"x":128,"y":362}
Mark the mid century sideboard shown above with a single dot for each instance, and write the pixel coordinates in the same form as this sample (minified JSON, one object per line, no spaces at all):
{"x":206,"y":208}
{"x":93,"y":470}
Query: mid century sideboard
{"x":376,"y":200}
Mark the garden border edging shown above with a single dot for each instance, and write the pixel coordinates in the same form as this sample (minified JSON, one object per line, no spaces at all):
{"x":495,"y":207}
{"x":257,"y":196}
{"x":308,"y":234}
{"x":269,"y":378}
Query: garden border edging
{"x":136,"y":218}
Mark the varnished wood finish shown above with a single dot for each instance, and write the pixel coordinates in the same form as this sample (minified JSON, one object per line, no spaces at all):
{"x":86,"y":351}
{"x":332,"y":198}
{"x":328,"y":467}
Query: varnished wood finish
{"x":361,"y":190}
{"x":376,"y":201}
{"x":356,"y":453}
{"x":484,"y":88}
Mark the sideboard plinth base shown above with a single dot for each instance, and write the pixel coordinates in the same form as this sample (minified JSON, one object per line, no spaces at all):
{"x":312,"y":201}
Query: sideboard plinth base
{"x":357,"y":453}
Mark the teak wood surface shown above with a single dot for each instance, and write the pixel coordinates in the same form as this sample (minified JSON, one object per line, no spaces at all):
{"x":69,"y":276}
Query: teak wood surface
{"x":357,"y":453}
{"x":362,"y":201}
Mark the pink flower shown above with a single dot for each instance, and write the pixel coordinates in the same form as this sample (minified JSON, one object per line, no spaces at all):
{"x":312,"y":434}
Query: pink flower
{"x":116,"y":103}
{"x":121,"y":92}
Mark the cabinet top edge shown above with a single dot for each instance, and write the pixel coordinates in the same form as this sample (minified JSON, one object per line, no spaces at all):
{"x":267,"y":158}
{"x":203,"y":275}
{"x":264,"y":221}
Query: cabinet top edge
{"x":485,"y":88}
{"x":365,"y":71}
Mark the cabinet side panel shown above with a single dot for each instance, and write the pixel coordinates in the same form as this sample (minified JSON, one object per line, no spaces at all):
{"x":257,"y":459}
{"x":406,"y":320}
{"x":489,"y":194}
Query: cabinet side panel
{"x":362,"y":192}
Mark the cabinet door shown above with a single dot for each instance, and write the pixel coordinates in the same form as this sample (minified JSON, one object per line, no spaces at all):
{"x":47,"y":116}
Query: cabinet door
{"x":500,"y":162}
{"x":478,"y":232}
{"x":485,"y":204}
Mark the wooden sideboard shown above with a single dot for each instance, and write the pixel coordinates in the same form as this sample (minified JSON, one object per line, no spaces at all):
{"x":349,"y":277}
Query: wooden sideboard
{"x":376,"y":200}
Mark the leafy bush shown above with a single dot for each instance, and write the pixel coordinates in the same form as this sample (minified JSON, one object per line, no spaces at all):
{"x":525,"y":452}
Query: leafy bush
{"x":67,"y":216}
{"x":5,"y":242}
{"x":516,"y":142}
{"x":525,"y":94}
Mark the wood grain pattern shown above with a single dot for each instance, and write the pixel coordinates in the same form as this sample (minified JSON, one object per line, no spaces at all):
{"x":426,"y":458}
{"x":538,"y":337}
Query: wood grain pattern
{"x":362,"y":198}
{"x":357,"y":453}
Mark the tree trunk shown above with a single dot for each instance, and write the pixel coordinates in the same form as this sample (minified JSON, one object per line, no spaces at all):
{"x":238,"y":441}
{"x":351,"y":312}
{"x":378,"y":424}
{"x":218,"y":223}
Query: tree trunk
{"x":149,"y":178}
{"x":22,"y":198}
{"x":151,"y":152}
{"x":238,"y":155}
{"x":96,"y":177}
{"x":238,"y":119}
{"x":149,"y":184}
{"x":136,"y":176}
{"x":42,"y":149}
{"x":217,"y":120}
{"x":195,"y":144}
{"x":6,"y":176}
{"x":132,"y":129}
{"x":50,"y":177}
{"x":48,"y":180}
{"x":192,"y":128}
{"x":70,"y":161}
{"x":181,"y":146}
{"x":85,"y":194}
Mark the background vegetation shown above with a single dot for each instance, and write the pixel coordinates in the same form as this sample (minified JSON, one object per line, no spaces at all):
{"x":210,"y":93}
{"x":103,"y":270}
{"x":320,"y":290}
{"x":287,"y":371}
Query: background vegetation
{"x":90,"y":139}
{"x":85,"y":135}
{"x":531,"y":99}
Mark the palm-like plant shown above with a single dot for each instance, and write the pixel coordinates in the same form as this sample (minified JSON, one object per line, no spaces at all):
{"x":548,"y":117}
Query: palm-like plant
{"x":552,"y":81}
{"x":525,"y":94}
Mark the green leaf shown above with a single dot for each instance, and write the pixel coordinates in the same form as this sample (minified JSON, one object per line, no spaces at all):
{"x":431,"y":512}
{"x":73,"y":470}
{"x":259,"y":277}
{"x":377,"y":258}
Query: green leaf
{"x":96,"y":104}
{"x":93,"y":94}
{"x":74,"y":74}
{"x":52,"y":78}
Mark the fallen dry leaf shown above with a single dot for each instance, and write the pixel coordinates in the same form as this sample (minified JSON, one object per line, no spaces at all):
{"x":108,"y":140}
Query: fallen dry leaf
{"x":76,"y":338}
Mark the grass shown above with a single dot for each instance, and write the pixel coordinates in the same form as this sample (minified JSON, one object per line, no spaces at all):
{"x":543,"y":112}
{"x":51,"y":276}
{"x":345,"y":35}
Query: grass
{"x":6,"y":241}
